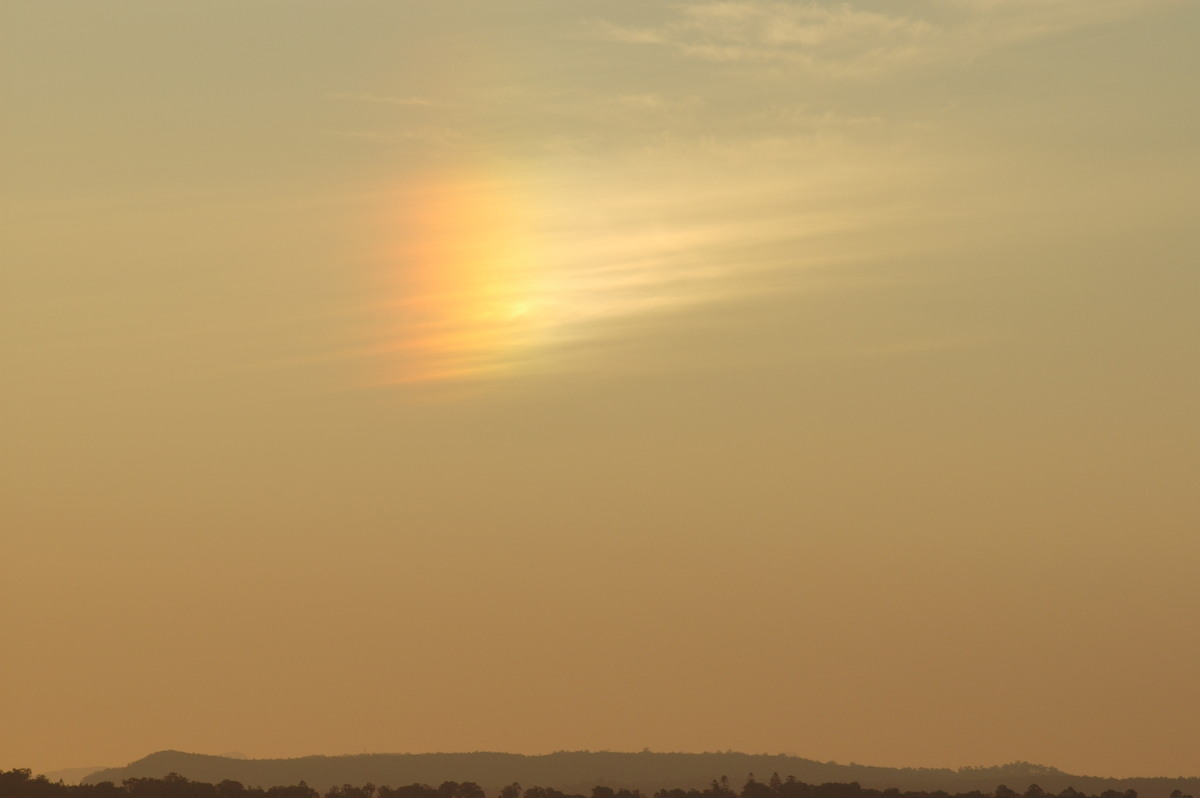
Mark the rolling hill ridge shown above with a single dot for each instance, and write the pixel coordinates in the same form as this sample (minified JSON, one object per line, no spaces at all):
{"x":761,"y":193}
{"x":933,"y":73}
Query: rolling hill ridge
{"x":579,"y":771}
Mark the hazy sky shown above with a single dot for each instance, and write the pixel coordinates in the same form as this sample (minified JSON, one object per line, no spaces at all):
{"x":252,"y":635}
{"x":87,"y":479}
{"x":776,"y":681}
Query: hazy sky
{"x":808,"y":377}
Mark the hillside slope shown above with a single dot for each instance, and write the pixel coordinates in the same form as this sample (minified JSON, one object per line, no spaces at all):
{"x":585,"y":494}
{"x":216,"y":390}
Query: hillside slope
{"x":579,"y":771}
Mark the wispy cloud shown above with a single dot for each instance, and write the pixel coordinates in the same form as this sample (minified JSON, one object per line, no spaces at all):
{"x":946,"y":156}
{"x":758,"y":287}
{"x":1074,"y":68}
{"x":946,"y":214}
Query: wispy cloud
{"x":836,"y":39}
{"x":526,"y":274}
{"x":625,"y":205}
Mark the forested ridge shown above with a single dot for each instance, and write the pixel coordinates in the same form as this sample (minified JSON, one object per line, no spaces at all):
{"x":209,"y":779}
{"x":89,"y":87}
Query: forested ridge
{"x":650,"y":772}
{"x":21,"y":783}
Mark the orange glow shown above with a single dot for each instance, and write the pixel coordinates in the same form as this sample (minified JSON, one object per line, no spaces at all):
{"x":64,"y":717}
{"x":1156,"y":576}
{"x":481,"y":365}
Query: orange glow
{"x":465,"y":269}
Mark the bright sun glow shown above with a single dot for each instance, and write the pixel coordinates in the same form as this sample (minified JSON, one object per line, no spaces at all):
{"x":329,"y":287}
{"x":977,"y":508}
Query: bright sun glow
{"x":468,"y":279}
{"x":509,"y":271}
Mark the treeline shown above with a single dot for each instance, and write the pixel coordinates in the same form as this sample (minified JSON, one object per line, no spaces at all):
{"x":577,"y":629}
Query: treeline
{"x":20,"y":783}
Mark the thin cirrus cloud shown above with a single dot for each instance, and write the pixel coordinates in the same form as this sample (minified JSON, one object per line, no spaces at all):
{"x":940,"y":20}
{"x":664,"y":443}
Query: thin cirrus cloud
{"x":837,"y":40}
{"x":497,"y":272}
{"x":660,"y":203}
{"x":827,"y":38}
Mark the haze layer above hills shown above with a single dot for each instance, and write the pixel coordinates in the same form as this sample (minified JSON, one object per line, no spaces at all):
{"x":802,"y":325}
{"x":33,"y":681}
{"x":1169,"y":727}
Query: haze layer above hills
{"x":579,"y":771}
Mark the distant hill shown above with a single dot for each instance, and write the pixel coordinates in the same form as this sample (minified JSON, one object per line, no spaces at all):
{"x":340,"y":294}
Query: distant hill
{"x":579,"y":771}
{"x":71,"y":775}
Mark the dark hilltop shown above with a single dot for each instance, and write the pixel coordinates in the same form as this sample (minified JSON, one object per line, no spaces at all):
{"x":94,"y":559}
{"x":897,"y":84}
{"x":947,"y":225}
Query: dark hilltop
{"x":579,"y":771}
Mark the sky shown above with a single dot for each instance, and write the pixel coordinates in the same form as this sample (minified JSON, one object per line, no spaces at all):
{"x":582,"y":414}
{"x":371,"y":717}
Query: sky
{"x":794,"y":377}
